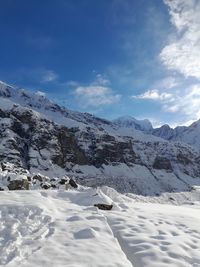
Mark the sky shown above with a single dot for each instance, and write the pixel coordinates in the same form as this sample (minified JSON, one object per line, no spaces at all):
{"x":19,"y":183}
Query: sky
{"x":111,"y":58}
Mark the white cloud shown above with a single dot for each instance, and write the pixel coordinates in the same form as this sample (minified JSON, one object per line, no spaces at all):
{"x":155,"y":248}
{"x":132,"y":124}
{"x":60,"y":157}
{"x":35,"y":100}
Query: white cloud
{"x":94,"y":95}
{"x":183,"y":52}
{"x":97,"y":93}
{"x":72,"y":83}
{"x":166,"y":83}
{"x":154,"y":95}
{"x":101,"y":80}
{"x":187,"y":103}
{"x":48,"y":76}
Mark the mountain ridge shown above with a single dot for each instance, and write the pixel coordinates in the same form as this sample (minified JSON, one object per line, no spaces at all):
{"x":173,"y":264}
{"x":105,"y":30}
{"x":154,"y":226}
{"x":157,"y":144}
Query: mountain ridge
{"x":40,"y":103}
{"x":41,"y":136}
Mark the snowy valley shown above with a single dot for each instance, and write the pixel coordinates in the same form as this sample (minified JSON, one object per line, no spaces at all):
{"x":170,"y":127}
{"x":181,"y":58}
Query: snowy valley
{"x":150,"y":176}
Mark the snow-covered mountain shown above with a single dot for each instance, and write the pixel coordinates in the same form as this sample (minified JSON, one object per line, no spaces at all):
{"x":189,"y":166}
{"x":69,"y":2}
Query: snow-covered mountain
{"x":130,"y":122}
{"x":40,"y":136}
{"x":188,"y":135}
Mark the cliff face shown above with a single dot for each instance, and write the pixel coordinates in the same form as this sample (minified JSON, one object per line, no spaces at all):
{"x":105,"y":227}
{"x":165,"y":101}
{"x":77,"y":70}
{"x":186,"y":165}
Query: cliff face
{"x":48,"y":139}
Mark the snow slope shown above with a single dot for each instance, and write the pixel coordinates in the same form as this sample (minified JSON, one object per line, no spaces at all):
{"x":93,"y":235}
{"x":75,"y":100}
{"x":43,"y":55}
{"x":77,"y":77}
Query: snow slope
{"x":131,"y":122}
{"x":63,"y":228}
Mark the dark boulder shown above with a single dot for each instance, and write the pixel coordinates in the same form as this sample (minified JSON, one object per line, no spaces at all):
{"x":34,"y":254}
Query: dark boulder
{"x":73,"y":183}
{"x":18,"y":185}
{"x":63,"y":181}
{"x":46,"y":186}
{"x":103,"y":206}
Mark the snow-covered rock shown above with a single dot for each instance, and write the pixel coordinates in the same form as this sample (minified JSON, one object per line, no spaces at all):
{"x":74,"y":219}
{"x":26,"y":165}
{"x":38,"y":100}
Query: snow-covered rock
{"x":13,"y":177}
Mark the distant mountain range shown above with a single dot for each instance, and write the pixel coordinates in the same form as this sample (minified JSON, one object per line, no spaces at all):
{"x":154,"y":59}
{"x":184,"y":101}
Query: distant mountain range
{"x":38,"y":135}
{"x":188,"y":135}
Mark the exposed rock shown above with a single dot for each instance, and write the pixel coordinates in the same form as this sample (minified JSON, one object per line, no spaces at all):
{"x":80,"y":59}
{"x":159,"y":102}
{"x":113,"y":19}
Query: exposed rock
{"x":73,"y":183}
{"x":162,"y":163}
{"x":18,"y":185}
{"x":38,"y":177}
{"x":68,"y":149}
{"x":114,"y":152}
{"x":46,"y":186}
{"x":103,"y":206}
{"x":63,"y":181}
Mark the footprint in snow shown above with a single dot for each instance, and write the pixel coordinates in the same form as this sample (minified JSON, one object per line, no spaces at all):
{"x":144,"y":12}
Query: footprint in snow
{"x":74,"y":218}
{"x":86,"y":233}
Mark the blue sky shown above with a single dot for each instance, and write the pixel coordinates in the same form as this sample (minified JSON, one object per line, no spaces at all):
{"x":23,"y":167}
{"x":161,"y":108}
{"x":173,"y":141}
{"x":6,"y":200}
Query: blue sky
{"x":110,"y":57}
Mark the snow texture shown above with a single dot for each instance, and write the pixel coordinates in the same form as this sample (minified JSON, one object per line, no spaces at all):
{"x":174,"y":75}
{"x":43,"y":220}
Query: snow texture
{"x":63,"y":228}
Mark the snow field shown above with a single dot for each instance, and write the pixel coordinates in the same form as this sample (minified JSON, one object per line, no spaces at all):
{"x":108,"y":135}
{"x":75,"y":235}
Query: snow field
{"x":79,"y":235}
{"x":21,"y":226}
{"x":63,"y":228}
{"x":157,"y":235}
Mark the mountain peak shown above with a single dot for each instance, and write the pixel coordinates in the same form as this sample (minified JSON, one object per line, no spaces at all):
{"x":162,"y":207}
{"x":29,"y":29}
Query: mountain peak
{"x":131,"y":122}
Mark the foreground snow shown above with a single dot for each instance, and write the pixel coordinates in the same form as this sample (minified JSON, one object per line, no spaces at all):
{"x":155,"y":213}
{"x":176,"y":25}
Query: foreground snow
{"x":63,"y":228}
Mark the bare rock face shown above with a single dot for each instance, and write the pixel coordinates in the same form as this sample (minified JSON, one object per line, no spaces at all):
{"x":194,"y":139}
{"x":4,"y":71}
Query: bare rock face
{"x":162,"y":163}
{"x":38,"y":141}
{"x":114,"y":152}
{"x":68,"y":149}
{"x":105,"y":149}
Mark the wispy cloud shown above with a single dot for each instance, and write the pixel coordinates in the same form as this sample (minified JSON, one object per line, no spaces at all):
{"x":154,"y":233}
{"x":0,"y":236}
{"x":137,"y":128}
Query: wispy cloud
{"x":96,"y":94}
{"x":154,"y":95}
{"x":35,"y":77}
{"x":166,"y":83}
{"x":48,"y":76}
{"x":101,"y":80}
{"x":187,"y":103}
{"x":72,"y":83}
{"x":182,"y":53}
